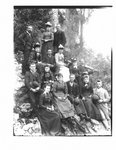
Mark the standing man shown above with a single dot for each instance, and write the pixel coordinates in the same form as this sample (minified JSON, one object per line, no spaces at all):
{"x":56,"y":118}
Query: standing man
{"x":27,"y":41}
{"x":59,"y":38}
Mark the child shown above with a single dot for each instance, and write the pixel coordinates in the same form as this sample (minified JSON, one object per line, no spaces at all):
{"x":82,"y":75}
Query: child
{"x":47,"y":76}
{"x":102,"y":103}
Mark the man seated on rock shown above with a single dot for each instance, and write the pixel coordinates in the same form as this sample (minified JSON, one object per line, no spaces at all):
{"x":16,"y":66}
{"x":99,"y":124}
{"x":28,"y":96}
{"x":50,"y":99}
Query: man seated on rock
{"x":33,"y":84}
{"x":74,"y":97}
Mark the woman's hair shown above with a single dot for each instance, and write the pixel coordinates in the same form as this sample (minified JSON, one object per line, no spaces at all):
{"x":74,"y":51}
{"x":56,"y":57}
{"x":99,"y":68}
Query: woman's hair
{"x":45,"y":85}
{"x":31,"y":64}
{"x":59,"y":75}
{"x":46,"y":66}
{"x":99,"y":80}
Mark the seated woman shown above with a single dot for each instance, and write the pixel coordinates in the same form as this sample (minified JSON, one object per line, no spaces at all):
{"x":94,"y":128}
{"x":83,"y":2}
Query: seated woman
{"x":101,"y":103}
{"x":61,"y":66}
{"x":63,"y":105}
{"x":49,"y":118}
{"x":86,"y":93}
{"x":47,"y":76}
{"x":33,"y":84}
{"x":35,"y":55}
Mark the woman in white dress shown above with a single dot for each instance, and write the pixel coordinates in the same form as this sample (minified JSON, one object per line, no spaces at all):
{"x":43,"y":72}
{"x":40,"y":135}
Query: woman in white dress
{"x":61,"y":66}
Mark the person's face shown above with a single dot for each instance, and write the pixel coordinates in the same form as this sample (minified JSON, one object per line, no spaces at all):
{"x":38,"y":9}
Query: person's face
{"x":72,"y":78}
{"x":99,"y":84}
{"x":60,"y":78}
{"x":47,"y":69}
{"x":86,"y":80}
{"x":29,"y":28}
{"x":48,"y":28}
{"x":49,"y":52}
{"x":37,"y":49}
{"x":60,"y":51}
{"x":58,"y":28}
{"x":47,"y":89}
{"x":75,"y":63}
{"x":82,"y":62}
{"x":33,"y":68}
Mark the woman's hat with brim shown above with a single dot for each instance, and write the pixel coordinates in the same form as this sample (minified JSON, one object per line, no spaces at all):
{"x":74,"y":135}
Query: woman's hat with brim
{"x":37,"y":45}
{"x":85,"y":73}
{"x":48,"y":24}
{"x":60,"y":46}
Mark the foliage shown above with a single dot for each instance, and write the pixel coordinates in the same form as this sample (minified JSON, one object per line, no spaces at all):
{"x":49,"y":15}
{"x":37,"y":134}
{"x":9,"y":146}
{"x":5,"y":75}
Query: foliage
{"x":99,"y":63}
{"x":35,"y":17}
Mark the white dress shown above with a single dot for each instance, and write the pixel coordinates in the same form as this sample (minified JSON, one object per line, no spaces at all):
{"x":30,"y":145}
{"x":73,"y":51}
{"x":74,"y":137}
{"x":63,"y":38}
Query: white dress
{"x":59,"y":58}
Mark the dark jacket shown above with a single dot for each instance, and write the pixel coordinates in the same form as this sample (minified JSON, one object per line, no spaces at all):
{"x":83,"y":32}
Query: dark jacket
{"x":49,"y":60}
{"x":73,"y":90}
{"x":32,"y":80}
{"x":34,"y":56}
{"x":27,"y":41}
{"x":86,"y":90}
{"x":47,"y":76}
{"x":46,"y":100}
{"x":59,"y":38}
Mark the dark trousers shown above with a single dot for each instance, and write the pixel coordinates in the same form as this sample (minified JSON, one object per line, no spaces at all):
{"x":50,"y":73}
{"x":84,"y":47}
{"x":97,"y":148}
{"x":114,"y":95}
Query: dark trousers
{"x":25,"y":64}
{"x":34,"y":97}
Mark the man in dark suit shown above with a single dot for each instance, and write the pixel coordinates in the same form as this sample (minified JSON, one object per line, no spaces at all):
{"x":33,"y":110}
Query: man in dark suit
{"x":73,"y":89}
{"x":26,"y":40}
{"x":59,"y":38}
{"x":74,"y":97}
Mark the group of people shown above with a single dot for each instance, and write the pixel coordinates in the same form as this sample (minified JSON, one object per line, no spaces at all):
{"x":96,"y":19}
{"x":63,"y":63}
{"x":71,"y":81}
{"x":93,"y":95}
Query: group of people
{"x":62,"y":93}
{"x":49,"y":40}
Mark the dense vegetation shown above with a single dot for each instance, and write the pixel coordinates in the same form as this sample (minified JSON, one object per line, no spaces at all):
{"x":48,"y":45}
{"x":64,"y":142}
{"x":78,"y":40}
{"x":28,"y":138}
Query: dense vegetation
{"x":70,"y":20}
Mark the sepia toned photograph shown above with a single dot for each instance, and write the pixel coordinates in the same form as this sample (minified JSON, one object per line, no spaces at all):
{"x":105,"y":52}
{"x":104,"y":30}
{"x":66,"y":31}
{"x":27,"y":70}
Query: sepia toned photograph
{"x":63,"y":70}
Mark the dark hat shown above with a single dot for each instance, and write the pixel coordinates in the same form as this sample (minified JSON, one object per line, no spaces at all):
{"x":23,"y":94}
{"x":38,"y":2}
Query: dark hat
{"x":37,"y":45}
{"x":48,"y":24}
{"x":84,"y":73}
{"x":61,"y":46}
{"x":74,"y":59}
{"x":95,"y":98}
{"x":85,"y":76}
{"x":35,"y":84}
{"x":46,"y":66}
{"x":98,"y":80}
{"x":59,"y":75}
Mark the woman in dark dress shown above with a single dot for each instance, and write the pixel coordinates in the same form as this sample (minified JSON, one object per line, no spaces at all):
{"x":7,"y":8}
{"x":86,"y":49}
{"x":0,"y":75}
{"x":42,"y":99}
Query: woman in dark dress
{"x":49,"y":118}
{"x":86,"y":93}
{"x":35,"y":55}
{"x":47,"y":40}
{"x":64,"y":106}
{"x":47,"y":76}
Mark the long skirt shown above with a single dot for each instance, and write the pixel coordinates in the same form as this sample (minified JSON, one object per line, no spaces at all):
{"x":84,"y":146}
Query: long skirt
{"x":92,"y":111}
{"x":65,"y":107}
{"x":45,"y":47}
{"x":80,"y":108}
{"x":50,"y":121}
